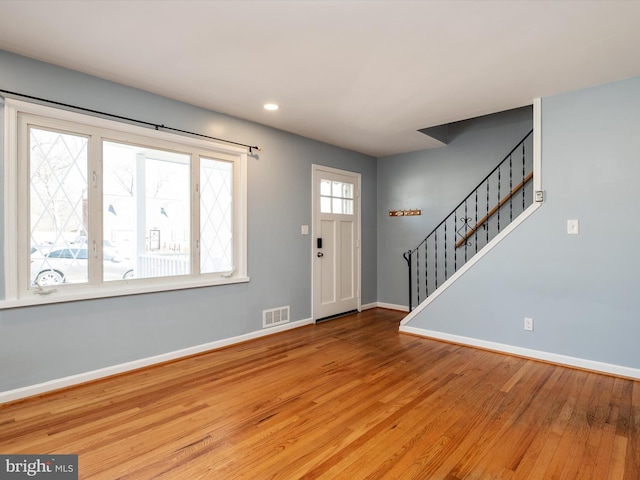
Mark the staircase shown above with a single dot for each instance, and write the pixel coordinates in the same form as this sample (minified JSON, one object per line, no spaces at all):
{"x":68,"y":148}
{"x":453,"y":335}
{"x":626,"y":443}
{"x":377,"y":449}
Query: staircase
{"x":499,"y":198}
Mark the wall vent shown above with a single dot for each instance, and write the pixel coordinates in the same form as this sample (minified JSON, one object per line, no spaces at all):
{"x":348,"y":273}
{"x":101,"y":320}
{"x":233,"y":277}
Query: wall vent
{"x":275,"y":316}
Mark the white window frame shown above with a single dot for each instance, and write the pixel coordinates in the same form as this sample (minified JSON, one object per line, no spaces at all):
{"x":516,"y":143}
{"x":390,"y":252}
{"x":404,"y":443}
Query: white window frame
{"x":16,"y":250}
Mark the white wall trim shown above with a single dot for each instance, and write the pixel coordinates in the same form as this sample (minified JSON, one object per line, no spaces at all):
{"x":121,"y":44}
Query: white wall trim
{"x":391,"y":306}
{"x":58,"y":383}
{"x":368,"y":306}
{"x":600,"y":367}
{"x":537,"y":145}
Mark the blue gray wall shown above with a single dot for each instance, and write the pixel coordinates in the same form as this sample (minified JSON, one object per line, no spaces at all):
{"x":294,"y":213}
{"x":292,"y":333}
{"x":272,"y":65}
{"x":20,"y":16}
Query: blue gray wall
{"x":48,"y":342}
{"x":581,"y":290}
{"x":435,"y":181}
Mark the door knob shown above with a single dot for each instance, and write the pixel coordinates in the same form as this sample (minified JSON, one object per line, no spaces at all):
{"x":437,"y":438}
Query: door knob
{"x":320,"y":254}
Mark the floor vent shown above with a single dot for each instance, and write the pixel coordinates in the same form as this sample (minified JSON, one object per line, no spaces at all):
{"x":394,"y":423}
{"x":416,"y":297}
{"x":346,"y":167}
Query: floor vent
{"x":275,"y":316}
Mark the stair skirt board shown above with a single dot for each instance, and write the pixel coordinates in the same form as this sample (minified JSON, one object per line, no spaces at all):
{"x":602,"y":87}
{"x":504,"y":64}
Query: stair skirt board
{"x":472,"y":261}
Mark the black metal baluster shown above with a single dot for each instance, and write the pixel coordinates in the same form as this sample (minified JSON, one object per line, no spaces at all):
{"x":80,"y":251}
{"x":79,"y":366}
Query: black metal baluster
{"x":418,"y":276}
{"x":435,"y":266}
{"x":476,"y":222}
{"x":510,"y":189}
{"x":455,"y":250}
{"x":524,"y":174}
{"x":407,"y":257}
{"x":466,"y":230}
{"x":445,"y":251}
{"x":486,"y":223}
{"x":426,"y":267}
{"x":499,"y":182}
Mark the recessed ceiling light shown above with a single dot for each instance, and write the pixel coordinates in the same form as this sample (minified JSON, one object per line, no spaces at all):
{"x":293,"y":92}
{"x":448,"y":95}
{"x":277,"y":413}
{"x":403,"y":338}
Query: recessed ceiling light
{"x":271,"y":106}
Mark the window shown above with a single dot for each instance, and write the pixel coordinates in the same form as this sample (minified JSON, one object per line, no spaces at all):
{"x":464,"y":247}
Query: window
{"x":99,"y":208}
{"x":146,"y":192}
{"x":336,"y":197}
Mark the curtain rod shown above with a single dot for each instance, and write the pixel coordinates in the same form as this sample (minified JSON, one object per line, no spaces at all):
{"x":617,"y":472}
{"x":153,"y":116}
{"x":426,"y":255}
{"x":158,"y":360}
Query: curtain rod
{"x":142,"y":122}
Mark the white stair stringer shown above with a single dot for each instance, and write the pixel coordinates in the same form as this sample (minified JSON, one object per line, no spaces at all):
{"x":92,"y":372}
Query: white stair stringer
{"x":471,"y":262}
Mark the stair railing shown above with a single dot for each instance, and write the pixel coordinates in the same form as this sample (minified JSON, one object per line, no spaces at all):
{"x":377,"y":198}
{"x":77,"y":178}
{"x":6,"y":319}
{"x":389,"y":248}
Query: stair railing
{"x":458,"y":237}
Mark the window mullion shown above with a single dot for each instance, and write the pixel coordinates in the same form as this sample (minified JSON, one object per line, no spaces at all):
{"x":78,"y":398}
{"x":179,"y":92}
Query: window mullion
{"x":195,"y":214}
{"x":239,"y":219}
{"x":94,"y":209}
{"x":17,"y":175}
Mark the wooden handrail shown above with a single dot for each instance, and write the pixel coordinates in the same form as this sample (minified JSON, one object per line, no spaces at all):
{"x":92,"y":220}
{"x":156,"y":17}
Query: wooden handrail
{"x":484,"y":219}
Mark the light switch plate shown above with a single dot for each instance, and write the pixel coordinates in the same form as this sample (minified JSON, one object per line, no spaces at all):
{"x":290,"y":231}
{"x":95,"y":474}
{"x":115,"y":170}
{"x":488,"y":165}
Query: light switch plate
{"x":304,"y":229}
{"x":573,"y":227}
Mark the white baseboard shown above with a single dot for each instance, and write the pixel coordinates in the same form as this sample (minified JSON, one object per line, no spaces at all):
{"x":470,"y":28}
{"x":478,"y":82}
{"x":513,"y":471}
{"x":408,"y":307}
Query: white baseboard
{"x":40,"y":388}
{"x":368,"y":306}
{"x":391,"y":306}
{"x":582,"y":363}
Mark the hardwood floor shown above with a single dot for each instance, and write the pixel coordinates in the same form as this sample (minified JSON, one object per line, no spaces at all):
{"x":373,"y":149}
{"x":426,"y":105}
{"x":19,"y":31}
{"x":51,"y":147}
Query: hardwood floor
{"x":350,"y":398}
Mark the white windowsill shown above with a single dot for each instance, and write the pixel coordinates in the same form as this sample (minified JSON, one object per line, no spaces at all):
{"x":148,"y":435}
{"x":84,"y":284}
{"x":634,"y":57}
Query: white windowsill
{"x":118,"y":289}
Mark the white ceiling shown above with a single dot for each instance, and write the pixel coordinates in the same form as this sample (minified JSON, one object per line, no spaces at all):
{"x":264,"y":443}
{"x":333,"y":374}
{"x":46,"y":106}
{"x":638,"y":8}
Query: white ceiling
{"x":363,"y":75}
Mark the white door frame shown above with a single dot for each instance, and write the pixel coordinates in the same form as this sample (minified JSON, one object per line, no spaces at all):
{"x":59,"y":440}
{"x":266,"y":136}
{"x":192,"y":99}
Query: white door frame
{"x":357,"y":181}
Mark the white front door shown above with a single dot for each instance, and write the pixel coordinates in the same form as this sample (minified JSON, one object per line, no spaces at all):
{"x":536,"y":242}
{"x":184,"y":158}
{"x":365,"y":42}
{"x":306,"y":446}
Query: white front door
{"x":336,"y":242}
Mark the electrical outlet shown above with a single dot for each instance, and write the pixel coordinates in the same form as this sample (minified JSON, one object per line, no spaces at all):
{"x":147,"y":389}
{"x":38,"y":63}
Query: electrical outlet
{"x":528,"y":324}
{"x":573,"y":227}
